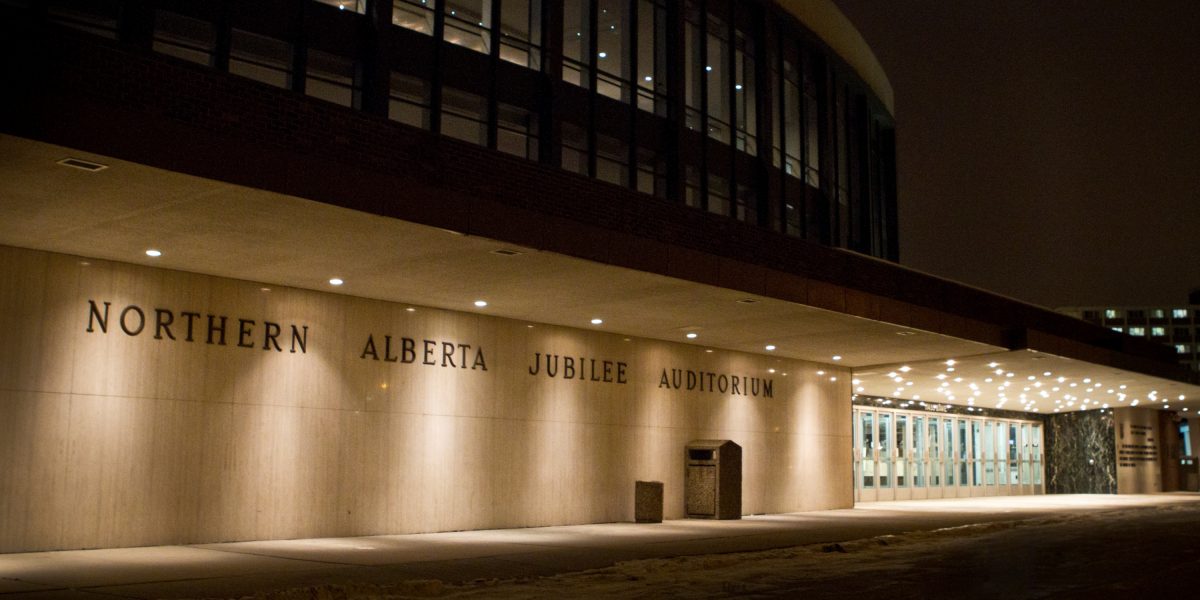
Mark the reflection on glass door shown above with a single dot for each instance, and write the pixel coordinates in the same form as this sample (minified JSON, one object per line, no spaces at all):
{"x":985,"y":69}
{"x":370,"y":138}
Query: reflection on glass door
{"x":1013,"y":469}
{"x":1036,"y":445}
{"x":948,"y":457}
{"x":883,"y":462}
{"x":935,"y":459}
{"x":903,"y":469}
{"x":866,"y":451}
{"x":918,"y":457}
{"x":976,"y":458}
{"x":962,"y":459}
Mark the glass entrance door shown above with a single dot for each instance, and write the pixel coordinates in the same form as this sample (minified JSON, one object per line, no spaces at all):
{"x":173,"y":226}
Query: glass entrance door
{"x":902,"y":454}
{"x":864,"y":456}
{"x":884,"y":457}
{"x":933,"y":465}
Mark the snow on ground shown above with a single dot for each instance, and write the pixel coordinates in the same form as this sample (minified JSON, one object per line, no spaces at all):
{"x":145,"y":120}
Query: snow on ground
{"x":1126,"y":553}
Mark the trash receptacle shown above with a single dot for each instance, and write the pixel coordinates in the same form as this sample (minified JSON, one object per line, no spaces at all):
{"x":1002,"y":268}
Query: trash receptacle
{"x":713,"y":482}
{"x":648,"y":501}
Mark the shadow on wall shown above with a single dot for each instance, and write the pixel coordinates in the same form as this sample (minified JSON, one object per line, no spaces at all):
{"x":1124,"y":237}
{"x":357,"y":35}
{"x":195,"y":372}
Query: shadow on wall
{"x":1081,"y":453}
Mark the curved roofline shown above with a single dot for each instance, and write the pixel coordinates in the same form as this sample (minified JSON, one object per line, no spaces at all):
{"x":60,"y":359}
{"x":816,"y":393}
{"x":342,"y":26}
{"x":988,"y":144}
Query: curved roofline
{"x":828,"y":22}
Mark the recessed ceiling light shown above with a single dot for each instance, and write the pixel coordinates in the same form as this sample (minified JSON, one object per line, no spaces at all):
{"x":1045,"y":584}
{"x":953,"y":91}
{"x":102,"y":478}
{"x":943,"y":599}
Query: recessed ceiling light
{"x":481,"y":303}
{"x":905,"y":369}
{"x":906,"y":333}
{"x":410,"y":309}
{"x":837,"y":357}
{"x":597,"y":321}
{"x":83,"y":165}
{"x":336,"y":281}
{"x":154,"y":253}
{"x":770,"y":347}
{"x":708,"y":350}
{"x":691,"y":335}
{"x":265,"y":289}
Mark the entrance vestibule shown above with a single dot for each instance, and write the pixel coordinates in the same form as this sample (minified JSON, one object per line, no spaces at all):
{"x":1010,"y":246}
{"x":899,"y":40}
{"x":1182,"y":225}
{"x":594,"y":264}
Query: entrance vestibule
{"x":906,"y":454}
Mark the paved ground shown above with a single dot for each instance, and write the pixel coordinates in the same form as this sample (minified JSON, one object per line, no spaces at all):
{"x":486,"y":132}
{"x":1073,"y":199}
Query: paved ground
{"x":1032,"y":546}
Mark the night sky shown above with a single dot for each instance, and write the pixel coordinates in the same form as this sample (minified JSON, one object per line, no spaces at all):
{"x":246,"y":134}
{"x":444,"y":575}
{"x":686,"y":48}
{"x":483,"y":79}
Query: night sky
{"x":1048,"y":150}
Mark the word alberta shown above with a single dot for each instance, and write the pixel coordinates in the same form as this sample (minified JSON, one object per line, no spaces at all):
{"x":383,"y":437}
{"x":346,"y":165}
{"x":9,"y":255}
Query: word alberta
{"x":191,"y":326}
{"x":430,"y":352}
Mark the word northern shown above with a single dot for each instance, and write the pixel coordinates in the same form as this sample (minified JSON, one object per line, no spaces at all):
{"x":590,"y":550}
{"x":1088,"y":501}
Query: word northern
{"x":132,"y":321}
{"x":584,"y":369}
{"x":433,"y":353}
{"x":707,"y":381}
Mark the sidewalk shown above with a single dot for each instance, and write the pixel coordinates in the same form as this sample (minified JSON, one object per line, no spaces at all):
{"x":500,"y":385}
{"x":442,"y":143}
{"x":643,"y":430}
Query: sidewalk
{"x":233,"y":570}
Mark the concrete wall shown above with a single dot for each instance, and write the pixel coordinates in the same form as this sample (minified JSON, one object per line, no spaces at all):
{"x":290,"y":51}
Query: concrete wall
{"x":112,"y":437}
{"x":1138,"y":440}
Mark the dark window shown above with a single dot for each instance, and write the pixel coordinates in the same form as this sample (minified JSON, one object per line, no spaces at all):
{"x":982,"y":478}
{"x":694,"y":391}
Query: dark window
{"x":416,"y":15}
{"x":516,"y":131}
{"x":183,"y":37}
{"x":745,"y":95}
{"x":97,"y":18}
{"x":521,"y":32}
{"x":330,"y":78}
{"x":719,"y":81}
{"x":261,"y":58}
{"x":576,"y":35}
{"x":409,"y":100}
{"x":652,"y":57}
{"x":469,"y":24}
{"x":464,"y":116}
{"x":357,"y":6}
{"x":574,"y":149}
{"x":613,"y":69}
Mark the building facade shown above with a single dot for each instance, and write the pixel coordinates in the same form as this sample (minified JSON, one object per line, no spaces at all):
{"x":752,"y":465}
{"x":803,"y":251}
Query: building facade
{"x":295,"y":268}
{"x":1175,"y":326}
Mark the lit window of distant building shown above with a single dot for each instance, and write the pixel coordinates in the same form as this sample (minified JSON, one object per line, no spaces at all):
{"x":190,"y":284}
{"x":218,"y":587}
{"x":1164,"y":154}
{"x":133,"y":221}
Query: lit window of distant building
{"x":1138,"y":331}
{"x":1118,"y":329}
{"x":1158,"y":313}
{"x":1179,"y":313}
{"x":1111,"y":313}
{"x":1181,"y":348}
{"x":1158,"y":331}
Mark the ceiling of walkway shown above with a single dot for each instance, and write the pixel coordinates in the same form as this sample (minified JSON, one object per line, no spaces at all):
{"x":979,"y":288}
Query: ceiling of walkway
{"x":215,"y":228}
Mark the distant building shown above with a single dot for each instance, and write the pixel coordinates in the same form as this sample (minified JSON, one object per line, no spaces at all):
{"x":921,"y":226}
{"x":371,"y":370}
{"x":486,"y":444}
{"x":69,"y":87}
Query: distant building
{"x":1174,"y":326}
